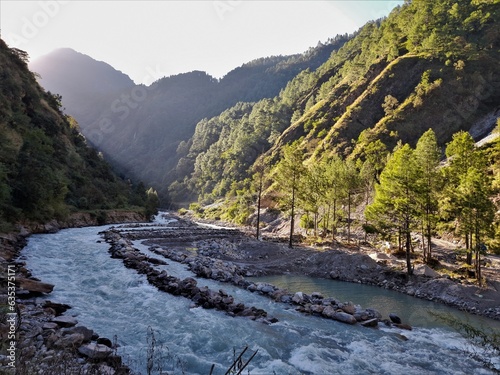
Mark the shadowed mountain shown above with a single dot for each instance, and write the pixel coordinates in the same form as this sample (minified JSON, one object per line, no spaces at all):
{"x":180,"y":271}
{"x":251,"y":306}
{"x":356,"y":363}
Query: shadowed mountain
{"x":47,"y":170}
{"x":139,"y":128}
{"x":84,"y":83}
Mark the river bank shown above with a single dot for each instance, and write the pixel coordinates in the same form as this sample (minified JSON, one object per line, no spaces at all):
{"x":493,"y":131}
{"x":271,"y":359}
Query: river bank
{"x":233,"y":253}
{"x":36,"y":338}
{"x":357,"y":264}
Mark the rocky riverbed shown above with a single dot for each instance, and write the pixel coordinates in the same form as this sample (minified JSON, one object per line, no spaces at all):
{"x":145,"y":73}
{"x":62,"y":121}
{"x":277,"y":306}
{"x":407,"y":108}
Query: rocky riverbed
{"x":49,"y":341}
{"x":230,"y":254}
{"x":37,"y":337}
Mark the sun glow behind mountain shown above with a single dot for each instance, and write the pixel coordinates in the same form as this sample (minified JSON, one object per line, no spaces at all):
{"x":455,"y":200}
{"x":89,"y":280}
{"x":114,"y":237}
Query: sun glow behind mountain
{"x":151,"y":39}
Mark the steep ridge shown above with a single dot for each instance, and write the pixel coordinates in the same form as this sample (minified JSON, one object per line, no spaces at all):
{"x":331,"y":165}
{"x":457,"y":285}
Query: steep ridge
{"x":47,"y":170}
{"x":83,"y":82}
{"x":427,"y":65}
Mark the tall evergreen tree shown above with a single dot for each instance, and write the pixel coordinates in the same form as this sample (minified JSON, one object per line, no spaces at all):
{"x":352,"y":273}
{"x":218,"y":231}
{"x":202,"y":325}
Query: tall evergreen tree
{"x":394,"y":206}
{"x":313,"y":190}
{"x":353,"y":187}
{"x":259,"y":169}
{"x":335,"y":190}
{"x":288,"y":174}
{"x":427,"y":156}
{"x":478,"y":209}
{"x":462,"y":156}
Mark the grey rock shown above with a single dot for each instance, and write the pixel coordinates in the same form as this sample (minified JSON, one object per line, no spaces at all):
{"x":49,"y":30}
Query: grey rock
{"x":370,"y":323}
{"x":298,"y":298}
{"x":344,"y":317}
{"x":95,"y":351}
{"x":65,"y":321}
{"x":394,"y":318}
{"x":87,"y":333}
{"x":69,"y":341}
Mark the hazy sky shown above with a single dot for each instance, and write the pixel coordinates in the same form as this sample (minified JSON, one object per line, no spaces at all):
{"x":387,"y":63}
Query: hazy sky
{"x":151,"y":39}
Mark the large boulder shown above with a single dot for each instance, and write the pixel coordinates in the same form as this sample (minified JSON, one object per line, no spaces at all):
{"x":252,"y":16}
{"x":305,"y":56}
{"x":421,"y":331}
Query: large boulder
{"x":84,"y":331}
{"x":344,"y":317}
{"x":95,"y":351}
{"x":331,"y":313}
{"x":394,"y":318}
{"x":425,"y":270}
{"x":35,"y":286}
{"x":299,"y":298}
{"x":65,"y":321}
{"x":348,"y":308}
{"x":71,"y":341}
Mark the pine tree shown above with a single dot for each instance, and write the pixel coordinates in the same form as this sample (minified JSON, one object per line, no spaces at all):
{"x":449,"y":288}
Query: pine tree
{"x":313,"y":190}
{"x":259,"y":170}
{"x":152,"y":203}
{"x":335,"y":191}
{"x":427,"y":156}
{"x":478,"y":209}
{"x":353,"y":186}
{"x":394,"y":206}
{"x":288,"y":174}
{"x":462,"y":156}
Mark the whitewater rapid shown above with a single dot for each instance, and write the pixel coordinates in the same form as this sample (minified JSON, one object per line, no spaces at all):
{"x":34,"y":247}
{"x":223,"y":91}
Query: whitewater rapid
{"x":119,"y":303}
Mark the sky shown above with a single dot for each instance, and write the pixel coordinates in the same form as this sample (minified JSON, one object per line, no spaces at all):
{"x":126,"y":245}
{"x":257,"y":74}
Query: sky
{"x":148,"y":40}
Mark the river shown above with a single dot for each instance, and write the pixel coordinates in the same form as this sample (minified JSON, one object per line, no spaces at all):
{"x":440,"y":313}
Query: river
{"x":118,"y":302}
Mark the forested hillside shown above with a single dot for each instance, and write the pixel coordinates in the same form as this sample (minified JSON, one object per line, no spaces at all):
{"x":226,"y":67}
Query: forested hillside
{"x":47,"y":170}
{"x":140,"y":127}
{"x":428,"y":65}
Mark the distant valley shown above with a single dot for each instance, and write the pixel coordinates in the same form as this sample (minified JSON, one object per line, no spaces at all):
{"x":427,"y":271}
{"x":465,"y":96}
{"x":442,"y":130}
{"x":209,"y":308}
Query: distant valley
{"x":139,"y":128}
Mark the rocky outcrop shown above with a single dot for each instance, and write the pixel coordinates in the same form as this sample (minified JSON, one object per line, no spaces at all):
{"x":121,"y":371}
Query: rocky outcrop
{"x":34,"y":286}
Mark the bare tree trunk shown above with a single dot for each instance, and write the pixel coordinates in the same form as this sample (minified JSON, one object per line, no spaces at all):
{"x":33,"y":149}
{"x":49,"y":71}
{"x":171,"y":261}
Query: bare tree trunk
{"x":334,"y":224}
{"x":424,"y":245}
{"x":429,"y":243}
{"x":468,"y":246}
{"x":408,"y":248}
{"x":292,"y":219}
{"x":349,"y":218}
{"x":478,"y":255}
{"x":316,"y":224}
{"x":326,"y":223}
{"x":258,"y":207}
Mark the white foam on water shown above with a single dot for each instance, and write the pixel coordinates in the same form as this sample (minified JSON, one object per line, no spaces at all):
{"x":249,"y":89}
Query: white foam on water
{"x":114,"y":300}
{"x":163,"y":218}
{"x":315,"y":359}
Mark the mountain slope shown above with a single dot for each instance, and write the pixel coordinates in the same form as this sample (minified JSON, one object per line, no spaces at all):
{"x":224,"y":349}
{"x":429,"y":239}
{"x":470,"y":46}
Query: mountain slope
{"x":140,"y":128}
{"x":428,"y":65}
{"x":83,"y":82}
{"x":46,"y":168}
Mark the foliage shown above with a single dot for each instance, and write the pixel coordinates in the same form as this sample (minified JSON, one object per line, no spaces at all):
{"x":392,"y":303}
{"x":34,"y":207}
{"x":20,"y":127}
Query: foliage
{"x":288,"y":175}
{"x":395,"y":206}
{"x":152,"y":203}
{"x":428,"y":156}
{"x":467,"y":194}
{"x":383,"y":84}
{"x":46,"y":167}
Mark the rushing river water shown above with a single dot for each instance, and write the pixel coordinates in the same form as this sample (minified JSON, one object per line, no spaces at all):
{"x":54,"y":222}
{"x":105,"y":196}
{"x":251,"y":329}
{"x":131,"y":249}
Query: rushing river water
{"x":116,"y":301}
